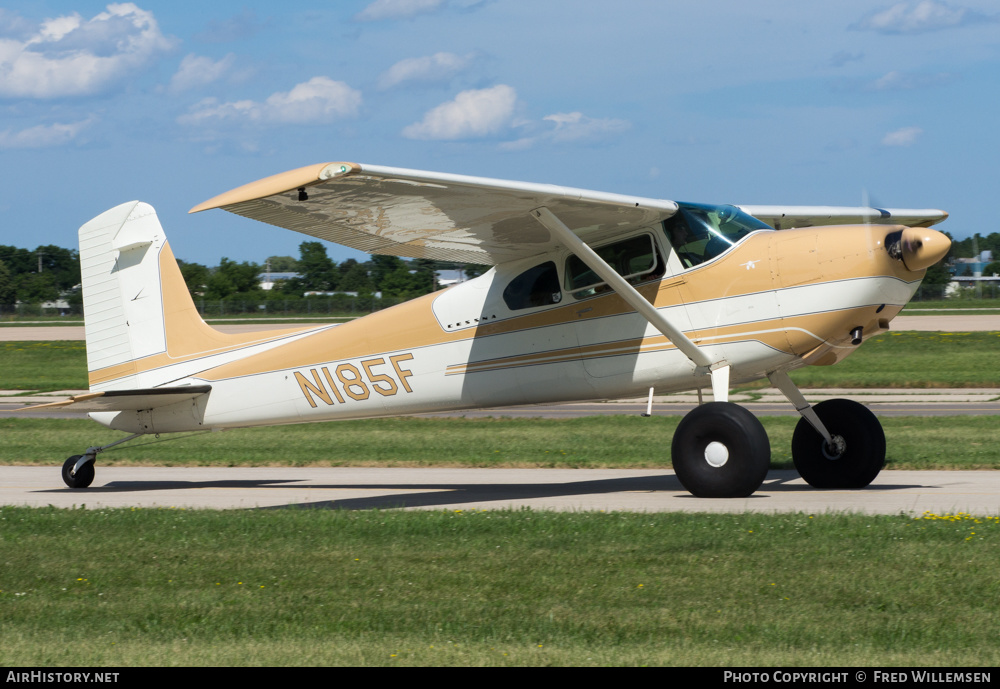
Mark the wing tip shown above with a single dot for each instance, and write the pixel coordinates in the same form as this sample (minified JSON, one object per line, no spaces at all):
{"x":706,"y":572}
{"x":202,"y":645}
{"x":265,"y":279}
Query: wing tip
{"x":279,"y":183}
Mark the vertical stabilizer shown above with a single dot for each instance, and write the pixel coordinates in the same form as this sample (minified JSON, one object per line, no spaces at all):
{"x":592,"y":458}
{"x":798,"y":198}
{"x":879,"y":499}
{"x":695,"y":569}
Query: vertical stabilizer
{"x":122,"y":300}
{"x":143,"y":329}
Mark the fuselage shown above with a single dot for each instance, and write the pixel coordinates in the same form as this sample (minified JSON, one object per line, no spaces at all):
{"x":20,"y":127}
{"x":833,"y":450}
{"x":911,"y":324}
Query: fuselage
{"x":776,"y":300}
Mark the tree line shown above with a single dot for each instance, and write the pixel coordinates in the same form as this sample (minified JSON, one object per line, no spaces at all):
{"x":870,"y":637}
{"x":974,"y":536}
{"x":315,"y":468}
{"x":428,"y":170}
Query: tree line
{"x":51,"y":272}
{"x":39,"y":275}
{"x":316,"y":272}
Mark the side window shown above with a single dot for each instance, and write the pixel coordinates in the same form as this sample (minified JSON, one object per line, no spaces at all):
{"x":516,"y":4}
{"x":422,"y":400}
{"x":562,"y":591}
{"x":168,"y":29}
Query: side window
{"x":538,"y":286}
{"x":635,"y":259}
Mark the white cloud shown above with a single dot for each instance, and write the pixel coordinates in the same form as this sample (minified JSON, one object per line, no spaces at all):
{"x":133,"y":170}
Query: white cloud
{"x":473,"y":114}
{"x":316,"y":101}
{"x":43,"y":135}
{"x":432,"y":68}
{"x":843,"y":57}
{"x":902,"y":137}
{"x":570,"y":127}
{"x":70,"y":56}
{"x":197,"y":71}
{"x":919,"y":17}
{"x":908,"y":81}
{"x":575,"y":126}
{"x":397,"y":9}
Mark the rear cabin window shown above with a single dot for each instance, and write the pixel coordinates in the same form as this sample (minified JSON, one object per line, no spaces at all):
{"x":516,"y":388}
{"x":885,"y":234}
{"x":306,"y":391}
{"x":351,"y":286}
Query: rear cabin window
{"x":538,"y":286}
{"x":635,"y":259}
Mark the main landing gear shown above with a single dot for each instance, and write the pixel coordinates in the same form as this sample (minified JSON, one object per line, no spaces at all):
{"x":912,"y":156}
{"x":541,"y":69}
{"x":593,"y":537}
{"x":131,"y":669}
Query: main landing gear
{"x":720,"y":450}
{"x":78,"y":470}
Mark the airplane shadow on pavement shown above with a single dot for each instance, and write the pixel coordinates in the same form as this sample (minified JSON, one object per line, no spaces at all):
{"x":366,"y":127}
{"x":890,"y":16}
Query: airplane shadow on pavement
{"x":445,"y":493}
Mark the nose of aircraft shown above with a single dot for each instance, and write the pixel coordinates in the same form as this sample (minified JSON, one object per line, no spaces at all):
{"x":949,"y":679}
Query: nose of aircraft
{"x":923,"y":247}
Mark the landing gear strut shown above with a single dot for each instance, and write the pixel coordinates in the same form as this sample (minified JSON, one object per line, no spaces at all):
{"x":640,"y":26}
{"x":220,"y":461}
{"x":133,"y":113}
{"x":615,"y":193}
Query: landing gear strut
{"x":78,"y":476}
{"x":837,"y":443}
{"x":78,"y":470}
{"x":853,"y":459}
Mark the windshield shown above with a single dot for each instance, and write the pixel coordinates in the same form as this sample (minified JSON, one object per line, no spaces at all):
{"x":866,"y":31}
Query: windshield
{"x":699,"y":232}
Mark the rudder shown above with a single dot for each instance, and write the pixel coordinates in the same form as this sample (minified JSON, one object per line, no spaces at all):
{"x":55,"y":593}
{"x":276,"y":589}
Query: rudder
{"x":122,"y":296}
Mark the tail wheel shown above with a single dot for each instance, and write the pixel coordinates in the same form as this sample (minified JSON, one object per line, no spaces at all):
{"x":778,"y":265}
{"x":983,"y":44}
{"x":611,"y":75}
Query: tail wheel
{"x":84,"y":475}
{"x":857,"y":454}
{"x":720,"y":450}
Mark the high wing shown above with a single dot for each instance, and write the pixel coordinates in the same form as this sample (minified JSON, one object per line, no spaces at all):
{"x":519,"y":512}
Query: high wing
{"x":417,"y":214}
{"x":787,"y":217}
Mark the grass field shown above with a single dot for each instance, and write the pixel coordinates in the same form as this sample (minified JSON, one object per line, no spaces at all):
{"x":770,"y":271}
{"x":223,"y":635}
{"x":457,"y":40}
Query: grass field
{"x":954,"y":304}
{"x":314,"y":587}
{"x":593,"y":442}
{"x":913,"y":360}
{"x":891,"y":360}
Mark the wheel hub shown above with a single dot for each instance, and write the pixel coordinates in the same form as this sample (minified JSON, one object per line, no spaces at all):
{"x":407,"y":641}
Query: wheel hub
{"x":836,"y":448}
{"x":716,"y":454}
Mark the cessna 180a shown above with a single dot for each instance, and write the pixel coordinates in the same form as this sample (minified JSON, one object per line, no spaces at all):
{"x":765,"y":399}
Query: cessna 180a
{"x":590,"y":296}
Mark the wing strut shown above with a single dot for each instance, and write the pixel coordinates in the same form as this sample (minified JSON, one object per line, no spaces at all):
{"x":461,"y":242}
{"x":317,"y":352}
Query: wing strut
{"x":719,"y":370}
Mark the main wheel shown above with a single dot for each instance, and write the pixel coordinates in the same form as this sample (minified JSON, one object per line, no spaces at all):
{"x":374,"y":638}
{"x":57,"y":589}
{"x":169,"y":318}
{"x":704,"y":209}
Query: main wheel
{"x":858,"y":451}
{"x":83,"y":477}
{"x":720,"y":450}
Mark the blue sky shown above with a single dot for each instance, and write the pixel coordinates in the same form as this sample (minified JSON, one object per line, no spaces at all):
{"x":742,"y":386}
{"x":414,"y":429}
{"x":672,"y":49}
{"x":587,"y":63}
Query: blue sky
{"x":728,"y":101}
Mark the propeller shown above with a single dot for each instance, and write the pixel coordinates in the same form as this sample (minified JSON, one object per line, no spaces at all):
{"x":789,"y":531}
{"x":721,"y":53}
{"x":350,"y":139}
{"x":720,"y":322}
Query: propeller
{"x":917,"y":247}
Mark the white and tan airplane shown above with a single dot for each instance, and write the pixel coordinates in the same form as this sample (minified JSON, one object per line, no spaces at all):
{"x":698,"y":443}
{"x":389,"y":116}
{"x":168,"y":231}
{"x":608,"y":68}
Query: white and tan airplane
{"x":591,"y":296}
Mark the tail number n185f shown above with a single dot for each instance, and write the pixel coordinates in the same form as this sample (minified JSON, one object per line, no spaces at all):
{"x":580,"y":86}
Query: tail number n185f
{"x":355,"y":381}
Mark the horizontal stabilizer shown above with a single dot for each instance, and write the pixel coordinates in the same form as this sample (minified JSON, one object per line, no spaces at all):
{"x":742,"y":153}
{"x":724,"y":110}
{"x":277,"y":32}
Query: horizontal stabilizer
{"x":126,"y":400}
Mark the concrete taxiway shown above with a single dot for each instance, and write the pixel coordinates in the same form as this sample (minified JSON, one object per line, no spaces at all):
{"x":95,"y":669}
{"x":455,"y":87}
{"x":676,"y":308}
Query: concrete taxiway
{"x":893,"y":492}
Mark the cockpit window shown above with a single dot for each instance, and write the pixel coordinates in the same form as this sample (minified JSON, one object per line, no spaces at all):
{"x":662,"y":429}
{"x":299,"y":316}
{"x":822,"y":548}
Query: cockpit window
{"x":700,"y":232}
{"x":537,"y":286}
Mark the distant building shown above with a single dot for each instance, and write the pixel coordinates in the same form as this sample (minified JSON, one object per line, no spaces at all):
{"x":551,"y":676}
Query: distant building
{"x":447,"y":278}
{"x":267,"y":280}
{"x":971,"y":267}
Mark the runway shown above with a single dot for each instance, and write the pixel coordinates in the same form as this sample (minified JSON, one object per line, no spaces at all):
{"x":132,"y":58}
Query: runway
{"x":893,"y":492}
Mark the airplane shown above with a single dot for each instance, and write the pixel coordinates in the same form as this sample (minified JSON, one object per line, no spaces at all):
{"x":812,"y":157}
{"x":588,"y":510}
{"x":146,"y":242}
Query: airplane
{"x":591,"y":295}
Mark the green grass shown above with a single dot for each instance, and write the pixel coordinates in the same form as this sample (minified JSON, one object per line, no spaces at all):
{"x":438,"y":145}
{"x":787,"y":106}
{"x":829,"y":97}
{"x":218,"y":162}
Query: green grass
{"x":957,"y":442}
{"x":46,"y":366}
{"x":950,"y":304}
{"x":913,"y":360}
{"x":315,"y":587}
{"x":894,"y":360}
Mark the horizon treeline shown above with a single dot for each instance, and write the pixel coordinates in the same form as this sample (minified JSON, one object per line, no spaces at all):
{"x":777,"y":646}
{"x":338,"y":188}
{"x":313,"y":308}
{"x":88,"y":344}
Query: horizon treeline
{"x":51,"y":272}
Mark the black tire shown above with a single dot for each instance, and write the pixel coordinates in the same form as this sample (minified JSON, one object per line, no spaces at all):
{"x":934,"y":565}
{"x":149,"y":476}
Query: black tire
{"x":728,"y":426}
{"x":853,"y":465}
{"x":83,"y":478}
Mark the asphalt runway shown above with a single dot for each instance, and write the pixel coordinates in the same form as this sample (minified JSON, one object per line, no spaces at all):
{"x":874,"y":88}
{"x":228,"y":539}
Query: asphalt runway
{"x":893,"y":492}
